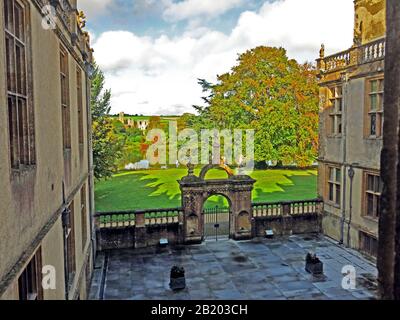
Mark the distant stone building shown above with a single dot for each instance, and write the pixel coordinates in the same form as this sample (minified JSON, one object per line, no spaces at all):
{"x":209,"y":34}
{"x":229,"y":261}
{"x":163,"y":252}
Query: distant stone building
{"x":121,"y":117}
{"x":351,"y":119}
{"x":142,"y":124}
{"x":45,"y":151}
{"x":131,"y":123}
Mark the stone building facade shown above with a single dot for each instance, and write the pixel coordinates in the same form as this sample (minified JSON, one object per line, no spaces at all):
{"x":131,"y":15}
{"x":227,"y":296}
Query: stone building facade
{"x":351,"y":125}
{"x":140,"y":123}
{"x":46,"y":182}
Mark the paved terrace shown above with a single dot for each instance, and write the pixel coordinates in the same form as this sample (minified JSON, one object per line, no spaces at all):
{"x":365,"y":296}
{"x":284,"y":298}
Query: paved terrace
{"x":257,"y":270}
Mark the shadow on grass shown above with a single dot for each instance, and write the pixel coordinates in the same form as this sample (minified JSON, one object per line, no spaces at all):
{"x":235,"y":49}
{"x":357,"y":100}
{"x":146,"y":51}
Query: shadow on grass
{"x":300,"y":189}
{"x":132,"y":192}
{"x":142,"y":191}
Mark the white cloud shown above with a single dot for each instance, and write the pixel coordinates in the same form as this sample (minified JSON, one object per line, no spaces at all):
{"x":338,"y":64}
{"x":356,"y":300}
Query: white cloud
{"x":187,"y":9}
{"x":163,"y":71}
{"x":93,"y":8}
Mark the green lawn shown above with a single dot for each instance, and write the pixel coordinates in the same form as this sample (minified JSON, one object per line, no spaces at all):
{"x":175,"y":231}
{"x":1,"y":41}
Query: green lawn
{"x":160,"y":189}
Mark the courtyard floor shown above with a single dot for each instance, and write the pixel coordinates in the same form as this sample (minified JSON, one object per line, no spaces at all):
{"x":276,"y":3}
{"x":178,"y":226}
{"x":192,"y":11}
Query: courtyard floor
{"x":261,"y":269}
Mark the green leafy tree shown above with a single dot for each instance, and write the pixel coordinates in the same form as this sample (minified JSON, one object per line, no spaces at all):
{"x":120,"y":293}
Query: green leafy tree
{"x":272,"y":94}
{"x":107,"y":145}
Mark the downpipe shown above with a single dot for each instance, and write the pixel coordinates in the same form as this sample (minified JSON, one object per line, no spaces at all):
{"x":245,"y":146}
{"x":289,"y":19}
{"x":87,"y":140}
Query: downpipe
{"x":351,"y":174}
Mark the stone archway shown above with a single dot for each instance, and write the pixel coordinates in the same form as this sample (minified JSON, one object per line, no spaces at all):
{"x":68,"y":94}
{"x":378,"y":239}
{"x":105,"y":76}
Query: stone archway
{"x":196,"y":190}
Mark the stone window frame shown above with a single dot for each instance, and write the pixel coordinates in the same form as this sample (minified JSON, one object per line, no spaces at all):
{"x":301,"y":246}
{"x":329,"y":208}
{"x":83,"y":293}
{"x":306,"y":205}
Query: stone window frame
{"x":84,"y":216}
{"x":336,"y":102}
{"x":19,"y":85}
{"x":79,"y":102}
{"x":65,"y":98}
{"x":30,"y":279}
{"x":377,"y":112}
{"x":375,"y":193}
{"x":70,"y":246}
{"x":334,"y":184}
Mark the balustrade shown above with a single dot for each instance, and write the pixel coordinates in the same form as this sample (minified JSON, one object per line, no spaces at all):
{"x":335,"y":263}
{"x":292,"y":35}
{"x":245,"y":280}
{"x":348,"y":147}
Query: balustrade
{"x":369,"y":52}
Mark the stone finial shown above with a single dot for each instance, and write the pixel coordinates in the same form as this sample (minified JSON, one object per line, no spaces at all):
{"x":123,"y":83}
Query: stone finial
{"x":322,"y":51}
{"x":224,"y":166}
{"x":189,"y":165}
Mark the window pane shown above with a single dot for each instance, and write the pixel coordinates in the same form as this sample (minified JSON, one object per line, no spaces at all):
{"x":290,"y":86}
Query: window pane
{"x":339,"y":125}
{"x":20,"y":131}
{"x":381,"y":84}
{"x":21,"y":73}
{"x":25,"y":115}
{"x":338,"y":175}
{"x":374,"y":86}
{"x":337,"y":194}
{"x":332,"y":124}
{"x":374,"y":102}
{"x":63,"y":91}
{"x":23,"y":286}
{"x":377,"y":182}
{"x":370,"y":182}
{"x":380,"y":102}
{"x":8,"y":14}
{"x":31,"y":135}
{"x":370,"y":205}
{"x":28,"y":281}
{"x":332,"y":174}
{"x":10,"y":59}
{"x":330,"y":192}
{"x":19,"y":22}
{"x":13,"y":131}
{"x":338,"y":91}
{"x":332,"y":92}
{"x":373,"y":124}
{"x":339,"y":103}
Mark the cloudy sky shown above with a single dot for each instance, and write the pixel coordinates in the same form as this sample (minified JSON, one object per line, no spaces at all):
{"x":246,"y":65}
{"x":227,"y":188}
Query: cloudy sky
{"x":153,"y":51}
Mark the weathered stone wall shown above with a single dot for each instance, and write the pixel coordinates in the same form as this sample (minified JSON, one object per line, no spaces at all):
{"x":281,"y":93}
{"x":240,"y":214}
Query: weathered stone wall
{"x":122,"y":238}
{"x":153,"y":234}
{"x":288,"y":225}
{"x":369,"y":20}
{"x":115,"y":238}
{"x":150,"y":235}
{"x":32,"y":198}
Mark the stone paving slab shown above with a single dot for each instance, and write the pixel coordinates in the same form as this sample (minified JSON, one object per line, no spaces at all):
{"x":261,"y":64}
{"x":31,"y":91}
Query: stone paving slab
{"x":260,"y":269}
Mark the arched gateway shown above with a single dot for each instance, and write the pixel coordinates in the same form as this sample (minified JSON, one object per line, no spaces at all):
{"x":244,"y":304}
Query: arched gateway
{"x":196,"y":190}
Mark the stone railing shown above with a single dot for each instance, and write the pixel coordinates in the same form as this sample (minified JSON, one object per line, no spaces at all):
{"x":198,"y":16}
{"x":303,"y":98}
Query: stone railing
{"x":137,"y":228}
{"x":337,"y":61}
{"x":286,"y":218}
{"x":160,"y":217}
{"x":373,"y":51}
{"x":369,"y":52}
{"x":277,"y":209}
{"x":123,"y":219}
{"x":145,"y":228}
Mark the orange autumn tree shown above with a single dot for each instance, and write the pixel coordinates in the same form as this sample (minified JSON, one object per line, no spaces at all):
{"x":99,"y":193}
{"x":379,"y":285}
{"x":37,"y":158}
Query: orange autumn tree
{"x":276,"y":96}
